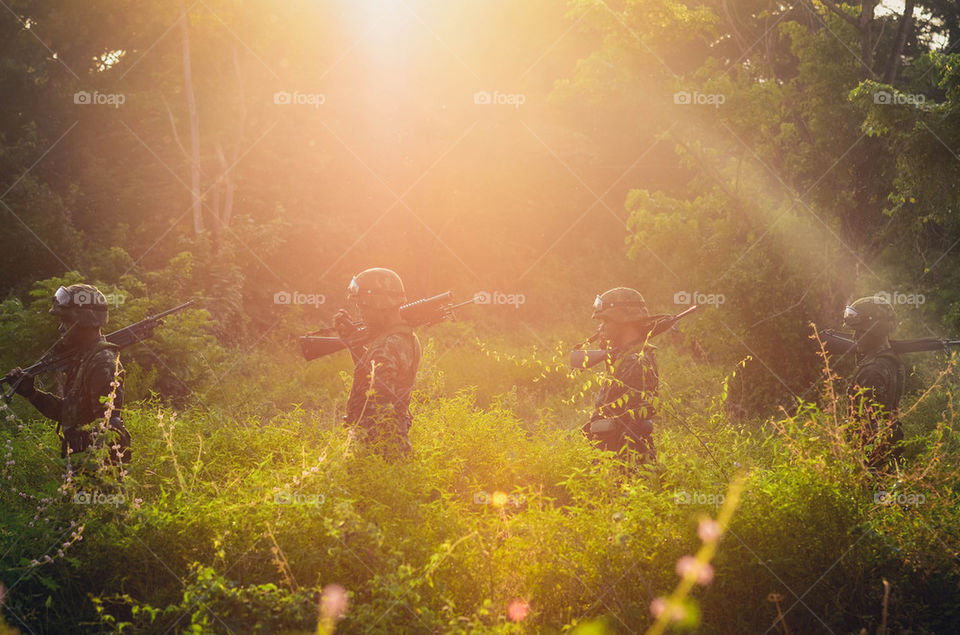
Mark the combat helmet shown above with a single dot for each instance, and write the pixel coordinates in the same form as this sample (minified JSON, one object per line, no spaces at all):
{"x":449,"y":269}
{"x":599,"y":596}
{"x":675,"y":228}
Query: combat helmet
{"x":871,"y":314}
{"x":621,"y":304}
{"x":377,"y":288}
{"x":82,"y":304}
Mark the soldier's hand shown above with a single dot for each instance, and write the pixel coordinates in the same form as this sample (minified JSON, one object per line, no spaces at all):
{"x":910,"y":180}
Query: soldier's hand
{"x":25,"y":386}
{"x":342,"y":324}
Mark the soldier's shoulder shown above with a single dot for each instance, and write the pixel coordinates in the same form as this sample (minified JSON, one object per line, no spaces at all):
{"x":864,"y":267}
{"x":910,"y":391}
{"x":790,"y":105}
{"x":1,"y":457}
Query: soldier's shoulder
{"x":880,"y":362}
{"x":104,"y":353}
{"x":872,"y":374}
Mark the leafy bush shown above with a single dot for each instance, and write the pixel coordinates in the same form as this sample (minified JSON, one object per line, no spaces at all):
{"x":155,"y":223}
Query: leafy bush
{"x":239,"y":522}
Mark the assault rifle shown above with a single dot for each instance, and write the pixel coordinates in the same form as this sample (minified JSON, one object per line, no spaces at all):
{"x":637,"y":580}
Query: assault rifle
{"x":842,"y":343}
{"x":58,"y":358}
{"x":419,"y":313}
{"x":581,"y":358}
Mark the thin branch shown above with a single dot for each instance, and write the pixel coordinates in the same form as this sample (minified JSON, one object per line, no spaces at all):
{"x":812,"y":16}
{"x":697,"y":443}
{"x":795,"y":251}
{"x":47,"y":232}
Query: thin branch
{"x":173,"y":126}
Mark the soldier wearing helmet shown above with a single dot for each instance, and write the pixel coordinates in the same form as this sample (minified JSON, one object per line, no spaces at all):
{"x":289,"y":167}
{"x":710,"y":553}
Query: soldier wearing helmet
{"x":83,"y":419}
{"x":385,"y":368}
{"x":878,"y":382}
{"x":624,"y":407}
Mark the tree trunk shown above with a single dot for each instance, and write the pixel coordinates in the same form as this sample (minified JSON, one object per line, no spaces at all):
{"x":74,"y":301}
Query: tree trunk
{"x":867,"y":8}
{"x":194,"y":125}
{"x":906,"y":25}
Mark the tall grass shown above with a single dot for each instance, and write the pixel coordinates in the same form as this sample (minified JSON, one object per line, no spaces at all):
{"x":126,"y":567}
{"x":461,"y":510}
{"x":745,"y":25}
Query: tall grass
{"x":236,"y":518}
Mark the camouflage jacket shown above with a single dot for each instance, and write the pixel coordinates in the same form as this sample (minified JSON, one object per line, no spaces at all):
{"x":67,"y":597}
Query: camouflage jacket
{"x":86,"y":381}
{"x":383,"y":377}
{"x":627,"y":393}
{"x":882,"y":376}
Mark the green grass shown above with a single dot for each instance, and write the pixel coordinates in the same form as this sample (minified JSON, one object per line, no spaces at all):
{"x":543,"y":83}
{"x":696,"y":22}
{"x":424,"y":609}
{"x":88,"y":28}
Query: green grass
{"x":236,"y":517}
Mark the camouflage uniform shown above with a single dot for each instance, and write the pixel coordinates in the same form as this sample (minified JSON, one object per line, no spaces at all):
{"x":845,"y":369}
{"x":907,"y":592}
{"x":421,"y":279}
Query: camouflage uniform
{"x":623,"y":410}
{"x":385,"y":368}
{"x":88,"y":380}
{"x":878,"y":383}
{"x":876,"y":389}
{"x":94,"y":367}
{"x":383,"y":377}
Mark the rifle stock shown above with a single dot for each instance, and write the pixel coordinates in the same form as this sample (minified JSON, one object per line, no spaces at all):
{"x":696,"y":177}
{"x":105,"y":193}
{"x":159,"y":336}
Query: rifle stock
{"x":314,"y":346}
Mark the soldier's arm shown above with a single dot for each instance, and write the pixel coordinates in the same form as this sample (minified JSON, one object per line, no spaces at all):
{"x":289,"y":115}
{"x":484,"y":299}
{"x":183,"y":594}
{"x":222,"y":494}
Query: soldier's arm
{"x":49,"y":405}
{"x":357,"y":352}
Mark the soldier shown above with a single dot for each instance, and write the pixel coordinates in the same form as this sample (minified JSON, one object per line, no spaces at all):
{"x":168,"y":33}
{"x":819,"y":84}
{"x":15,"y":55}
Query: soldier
{"x":384,"y":369}
{"x":878,"y":382}
{"x":94,"y":374}
{"x":623,"y":411}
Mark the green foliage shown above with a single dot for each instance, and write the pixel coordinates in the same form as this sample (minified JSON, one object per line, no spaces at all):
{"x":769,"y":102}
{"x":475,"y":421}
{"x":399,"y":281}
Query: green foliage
{"x":246,"y":500}
{"x":232,"y":522}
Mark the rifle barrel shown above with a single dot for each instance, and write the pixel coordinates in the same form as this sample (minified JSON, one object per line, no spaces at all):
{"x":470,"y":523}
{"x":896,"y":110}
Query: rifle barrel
{"x":446,"y":295}
{"x":179,"y":307}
